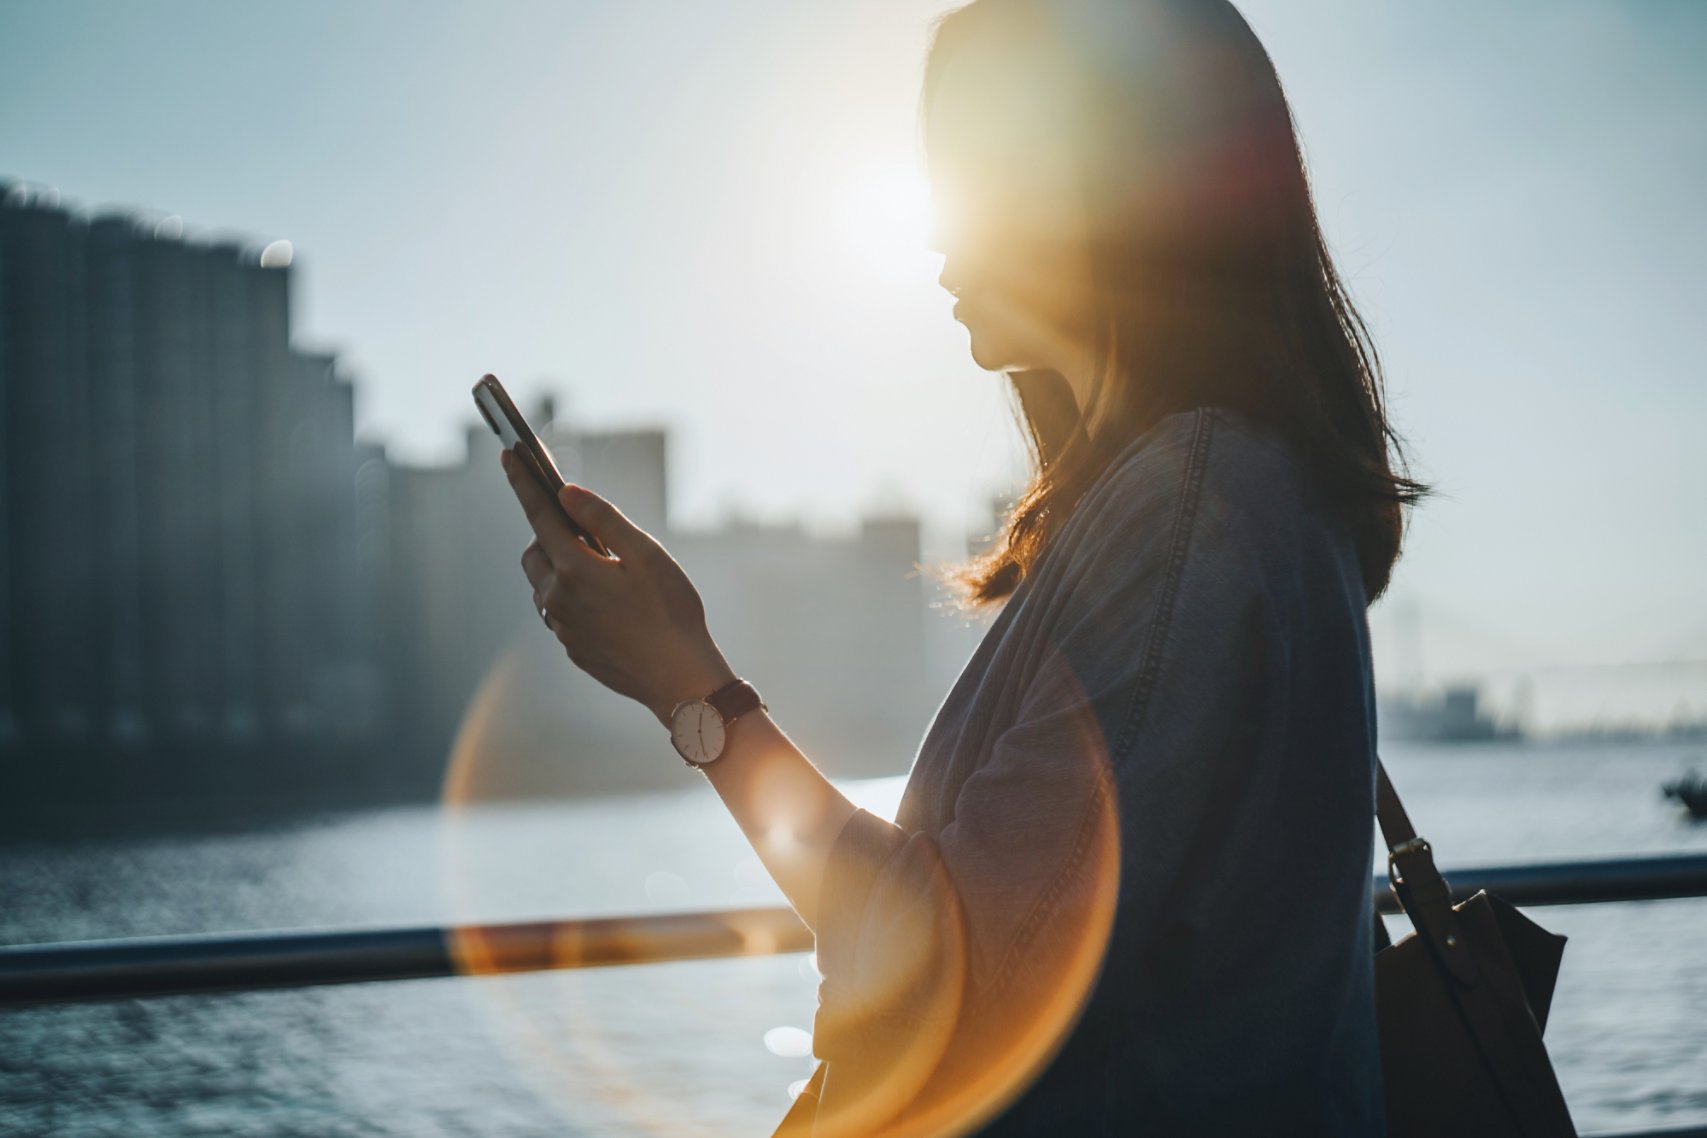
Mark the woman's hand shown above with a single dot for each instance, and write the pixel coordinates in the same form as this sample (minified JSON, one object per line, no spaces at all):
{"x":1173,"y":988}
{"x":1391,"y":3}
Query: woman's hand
{"x":633,"y":621}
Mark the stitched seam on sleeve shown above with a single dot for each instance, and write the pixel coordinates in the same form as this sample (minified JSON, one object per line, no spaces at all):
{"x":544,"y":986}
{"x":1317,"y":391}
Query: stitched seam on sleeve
{"x":1045,"y":903}
{"x":1184,"y":516}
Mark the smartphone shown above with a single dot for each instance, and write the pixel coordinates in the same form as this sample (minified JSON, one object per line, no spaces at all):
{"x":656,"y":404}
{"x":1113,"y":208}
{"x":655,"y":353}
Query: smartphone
{"x":518,"y":438}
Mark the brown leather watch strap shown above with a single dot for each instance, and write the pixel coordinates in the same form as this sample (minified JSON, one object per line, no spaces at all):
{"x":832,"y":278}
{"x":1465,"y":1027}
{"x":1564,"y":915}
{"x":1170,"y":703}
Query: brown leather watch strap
{"x":735,"y":698}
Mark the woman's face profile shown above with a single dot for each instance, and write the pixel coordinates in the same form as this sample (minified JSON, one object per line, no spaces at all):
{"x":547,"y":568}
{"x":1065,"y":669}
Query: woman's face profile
{"x":1008,"y":216}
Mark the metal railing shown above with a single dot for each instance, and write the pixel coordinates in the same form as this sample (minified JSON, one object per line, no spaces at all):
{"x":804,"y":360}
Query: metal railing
{"x":159,"y":966}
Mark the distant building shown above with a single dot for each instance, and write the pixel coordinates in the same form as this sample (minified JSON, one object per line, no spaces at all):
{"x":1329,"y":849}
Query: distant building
{"x":627,"y":466}
{"x":832,"y":630}
{"x":1450,"y":715}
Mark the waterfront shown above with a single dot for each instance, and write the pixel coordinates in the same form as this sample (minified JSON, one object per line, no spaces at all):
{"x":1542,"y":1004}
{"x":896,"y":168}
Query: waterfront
{"x":681,"y":1049}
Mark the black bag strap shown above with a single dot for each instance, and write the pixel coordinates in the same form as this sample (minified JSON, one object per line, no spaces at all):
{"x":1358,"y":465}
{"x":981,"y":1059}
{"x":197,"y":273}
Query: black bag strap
{"x":1422,"y":891}
{"x":1395,"y":823}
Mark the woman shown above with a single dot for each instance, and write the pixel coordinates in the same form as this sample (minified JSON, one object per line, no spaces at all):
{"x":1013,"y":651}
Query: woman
{"x":1128,"y":886}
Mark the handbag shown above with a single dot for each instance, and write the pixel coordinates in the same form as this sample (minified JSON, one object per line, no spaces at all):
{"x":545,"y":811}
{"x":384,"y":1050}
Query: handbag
{"x":1461,"y":1004}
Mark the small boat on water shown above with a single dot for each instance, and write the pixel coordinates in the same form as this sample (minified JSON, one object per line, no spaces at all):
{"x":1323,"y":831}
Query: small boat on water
{"x":1691,"y":790}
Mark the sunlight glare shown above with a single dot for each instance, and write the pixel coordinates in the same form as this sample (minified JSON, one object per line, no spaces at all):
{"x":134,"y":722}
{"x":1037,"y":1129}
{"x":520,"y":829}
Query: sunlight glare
{"x":886,"y":217}
{"x":788,"y":1042}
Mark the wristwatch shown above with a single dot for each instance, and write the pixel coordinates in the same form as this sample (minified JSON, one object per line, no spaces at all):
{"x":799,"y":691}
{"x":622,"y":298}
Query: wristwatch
{"x":699,"y":726}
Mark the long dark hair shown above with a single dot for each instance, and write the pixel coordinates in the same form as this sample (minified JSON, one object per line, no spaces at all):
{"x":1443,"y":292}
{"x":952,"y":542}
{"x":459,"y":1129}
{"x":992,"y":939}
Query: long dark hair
{"x":1213,"y":283}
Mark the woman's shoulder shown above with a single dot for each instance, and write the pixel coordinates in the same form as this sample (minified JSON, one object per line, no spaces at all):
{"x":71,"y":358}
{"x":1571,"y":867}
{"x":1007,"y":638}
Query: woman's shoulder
{"x":1214,"y":483}
{"x":1220,"y":453}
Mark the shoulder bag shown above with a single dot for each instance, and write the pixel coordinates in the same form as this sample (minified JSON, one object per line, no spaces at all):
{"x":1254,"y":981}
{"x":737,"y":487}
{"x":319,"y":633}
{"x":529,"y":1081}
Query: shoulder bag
{"x":1461,"y":1004}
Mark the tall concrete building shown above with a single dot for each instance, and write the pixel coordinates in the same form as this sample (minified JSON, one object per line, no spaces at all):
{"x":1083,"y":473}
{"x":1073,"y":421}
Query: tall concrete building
{"x":177,"y":495}
{"x":52,"y":566}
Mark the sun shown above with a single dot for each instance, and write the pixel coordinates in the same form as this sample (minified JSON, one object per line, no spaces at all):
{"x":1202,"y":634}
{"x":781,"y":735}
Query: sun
{"x":886,"y":216}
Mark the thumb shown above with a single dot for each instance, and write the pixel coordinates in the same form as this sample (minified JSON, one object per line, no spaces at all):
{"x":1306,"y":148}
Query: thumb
{"x":609,"y":524}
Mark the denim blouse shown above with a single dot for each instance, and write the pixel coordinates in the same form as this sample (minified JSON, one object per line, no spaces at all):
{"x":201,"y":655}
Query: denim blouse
{"x":1127,"y":889}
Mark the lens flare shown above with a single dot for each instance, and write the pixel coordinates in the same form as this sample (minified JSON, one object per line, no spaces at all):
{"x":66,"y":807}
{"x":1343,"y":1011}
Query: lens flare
{"x":957,"y":1056}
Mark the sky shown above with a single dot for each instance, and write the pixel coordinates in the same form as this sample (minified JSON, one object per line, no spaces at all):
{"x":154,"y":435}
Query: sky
{"x":708,"y":217}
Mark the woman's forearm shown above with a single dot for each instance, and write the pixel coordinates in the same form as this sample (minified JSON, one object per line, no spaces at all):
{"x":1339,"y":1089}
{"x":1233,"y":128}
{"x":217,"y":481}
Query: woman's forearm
{"x":789,"y":811}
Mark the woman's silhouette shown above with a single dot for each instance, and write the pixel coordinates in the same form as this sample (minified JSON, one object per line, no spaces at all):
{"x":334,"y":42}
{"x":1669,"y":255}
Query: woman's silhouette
{"x":1128,"y":886}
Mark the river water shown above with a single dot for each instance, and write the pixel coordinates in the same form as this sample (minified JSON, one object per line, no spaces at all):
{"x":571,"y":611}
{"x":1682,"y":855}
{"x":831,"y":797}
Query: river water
{"x":681,"y":1049}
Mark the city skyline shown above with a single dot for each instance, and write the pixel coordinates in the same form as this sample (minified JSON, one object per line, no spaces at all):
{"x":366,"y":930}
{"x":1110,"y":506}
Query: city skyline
{"x":212,"y":592}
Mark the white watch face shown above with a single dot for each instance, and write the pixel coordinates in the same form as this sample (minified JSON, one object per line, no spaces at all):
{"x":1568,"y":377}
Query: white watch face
{"x":697,"y":731}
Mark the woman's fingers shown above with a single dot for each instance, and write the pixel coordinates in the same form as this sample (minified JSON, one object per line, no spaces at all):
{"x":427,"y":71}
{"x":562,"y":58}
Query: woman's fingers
{"x":542,"y":510}
{"x":537,"y":566}
{"x":553,"y":619}
{"x":621,"y":536}
{"x":550,"y":591}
